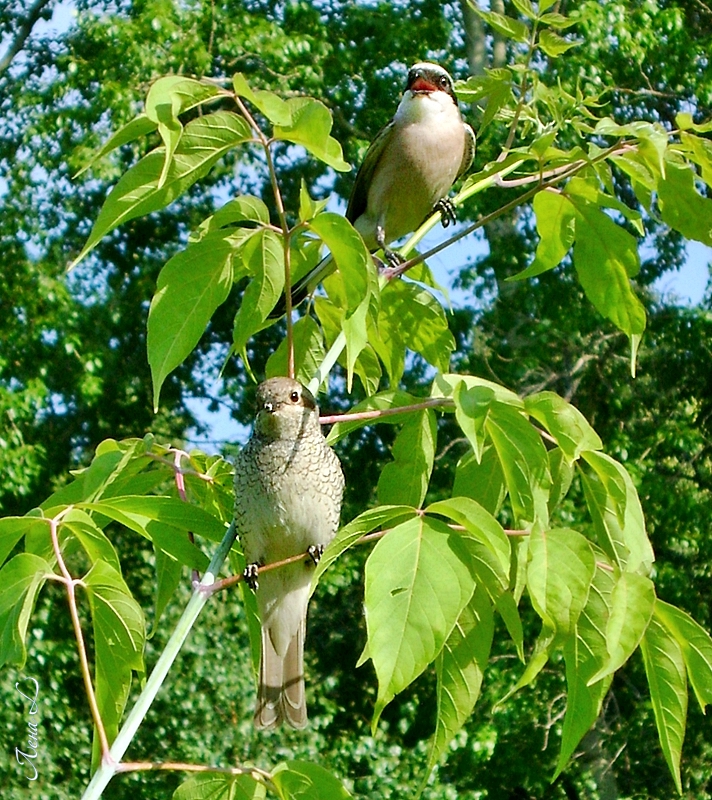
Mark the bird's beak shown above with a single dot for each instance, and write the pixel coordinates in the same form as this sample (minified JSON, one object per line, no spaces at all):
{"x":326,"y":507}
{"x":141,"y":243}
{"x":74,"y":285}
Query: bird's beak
{"x":421,"y":85}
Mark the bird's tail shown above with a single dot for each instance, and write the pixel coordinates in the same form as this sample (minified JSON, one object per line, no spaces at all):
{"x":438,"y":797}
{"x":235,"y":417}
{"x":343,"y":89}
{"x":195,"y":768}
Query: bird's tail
{"x":305,"y":286}
{"x":281,"y":695}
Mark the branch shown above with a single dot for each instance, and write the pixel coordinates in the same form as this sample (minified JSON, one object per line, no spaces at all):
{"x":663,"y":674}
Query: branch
{"x":358,"y":416}
{"x":22,"y":34}
{"x":286,"y":234}
{"x":70,"y":583}
{"x":146,"y":766}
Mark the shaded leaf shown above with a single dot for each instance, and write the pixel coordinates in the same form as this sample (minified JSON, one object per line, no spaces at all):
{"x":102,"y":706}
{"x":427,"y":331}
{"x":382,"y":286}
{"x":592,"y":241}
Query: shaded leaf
{"x":564,"y":422}
{"x":300,"y":780}
{"x":218,"y":786}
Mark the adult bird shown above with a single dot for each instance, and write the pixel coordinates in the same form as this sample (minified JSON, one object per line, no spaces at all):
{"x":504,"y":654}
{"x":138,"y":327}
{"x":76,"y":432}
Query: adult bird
{"x":288,"y":490}
{"x":408,"y":169}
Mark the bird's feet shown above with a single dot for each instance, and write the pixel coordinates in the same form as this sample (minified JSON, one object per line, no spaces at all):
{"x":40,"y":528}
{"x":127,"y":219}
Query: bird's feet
{"x":315,"y":552}
{"x":250,"y":576}
{"x":447,"y":212}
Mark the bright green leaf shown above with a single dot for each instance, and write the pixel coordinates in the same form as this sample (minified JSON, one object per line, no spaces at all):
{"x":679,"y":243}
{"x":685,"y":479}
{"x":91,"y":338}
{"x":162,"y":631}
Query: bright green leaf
{"x":404,"y":481}
{"x":483,"y":482}
{"x":308,"y":352}
{"x":263,"y":255}
{"x":564,"y":422}
{"x":555,"y":224}
{"x":682,"y":206}
{"x":310,"y":127}
{"x":471,"y":409}
{"x":696,"y":646}
{"x":218,"y":786}
{"x":20,"y":581}
{"x":190,"y":288}
{"x":300,"y":780}
{"x":524,"y":463}
{"x":416,"y":589}
{"x":460,"y":668}
{"x":605,"y":255}
{"x":138,"y":192}
{"x":559,"y":574}
{"x":665,"y":668}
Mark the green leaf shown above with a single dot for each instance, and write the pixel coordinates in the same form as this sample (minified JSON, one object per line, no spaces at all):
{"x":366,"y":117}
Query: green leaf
{"x":137,"y":512}
{"x":631,"y":605}
{"x":605,"y":255}
{"x":92,"y":539}
{"x":665,"y":668}
{"x":410,"y":318}
{"x":682,"y":206}
{"x":137,"y":127}
{"x":349,"y":535}
{"x":308,"y":352}
{"x":562,"y":474}
{"x":308,"y":208}
{"x":555,"y":216}
{"x":218,"y":786}
{"x":483,"y":482}
{"x":617,"y":514}
{"x":12,"y":529}
{"x":460,"y":668}
{"x":696,"y":646}
{"x":300,"y":780}
{"x":190,"y":288}
{"x":445,"y":385}
{"x":20,"y":581}
{"x":416,"y":586}
{"x":559,"y":574}
{"x":508,"y":27}
{"x":404,"y":481}
{"x":263,"y":255}
{"x":564,"y":422}
{"x":524,"y":461}
{"x":310,"y":127}
{"x":277,"y":110}
{"x":471,"y":409}
{"x":119,"y":629}
{"x":484,"y":539}
{"x":350,"y":254}
{"x":238,"y":211}
{"x":554,"y":45}
{"x":584,"y":652}
{"x":507,"y":609}
{"x":138,"y":191}
{"x":119,"y":638}
{"x":358,"y":280}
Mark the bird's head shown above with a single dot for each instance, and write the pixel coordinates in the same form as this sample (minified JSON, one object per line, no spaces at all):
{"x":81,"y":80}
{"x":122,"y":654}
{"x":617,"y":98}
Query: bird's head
{"x":285,"y":409}
{"x":426,"y":78}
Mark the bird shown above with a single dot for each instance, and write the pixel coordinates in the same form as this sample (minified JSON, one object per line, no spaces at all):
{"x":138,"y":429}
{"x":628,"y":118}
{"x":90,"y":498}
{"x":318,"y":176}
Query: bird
{"x":288,"y":491}
{"x":408,"y":169}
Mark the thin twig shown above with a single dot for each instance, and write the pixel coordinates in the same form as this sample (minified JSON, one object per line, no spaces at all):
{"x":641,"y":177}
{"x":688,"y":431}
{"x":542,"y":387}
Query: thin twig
{"x":179,"y":766}
{"x":286,"y":234}
{"x":180,"y":485}
{"x":70,"y":583}
{"x":359,"y":416}
{"x":396,"y":272}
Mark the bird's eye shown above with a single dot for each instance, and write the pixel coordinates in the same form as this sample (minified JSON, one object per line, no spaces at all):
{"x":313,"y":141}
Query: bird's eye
{"x":294,"y":397}
{"x":443,"y":81}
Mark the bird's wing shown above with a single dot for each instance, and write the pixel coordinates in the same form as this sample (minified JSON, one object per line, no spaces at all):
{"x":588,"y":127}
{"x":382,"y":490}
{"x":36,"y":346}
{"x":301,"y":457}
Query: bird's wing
{"x":359,"y":194}
{"x":469,"y":153}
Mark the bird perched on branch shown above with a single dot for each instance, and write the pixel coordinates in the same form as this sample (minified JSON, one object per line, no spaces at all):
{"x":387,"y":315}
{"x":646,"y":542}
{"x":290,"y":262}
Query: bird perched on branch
{"x":408,"y":169}
{"x":288,"y":490}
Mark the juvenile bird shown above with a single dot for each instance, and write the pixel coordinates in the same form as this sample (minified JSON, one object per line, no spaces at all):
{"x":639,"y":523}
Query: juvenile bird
{"x":288,"y":491}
